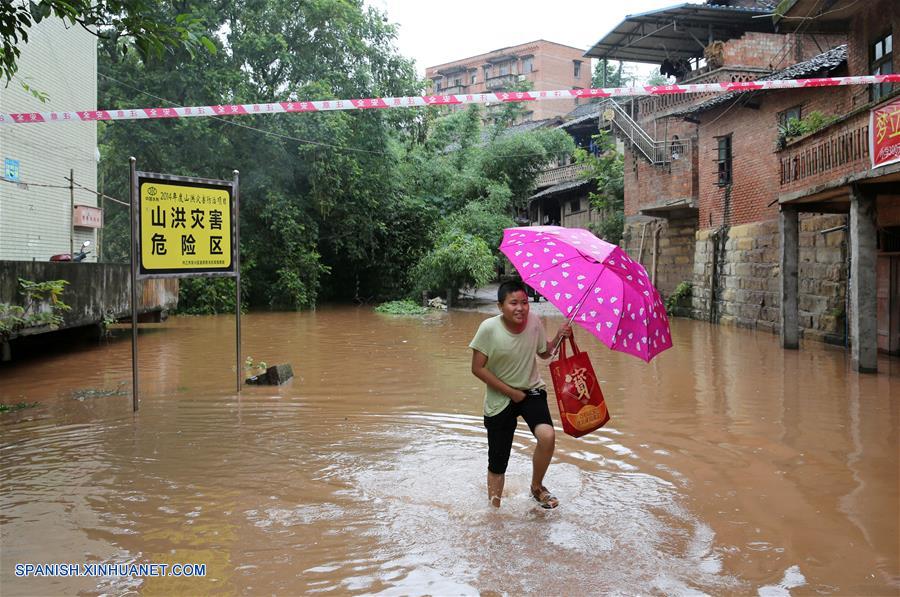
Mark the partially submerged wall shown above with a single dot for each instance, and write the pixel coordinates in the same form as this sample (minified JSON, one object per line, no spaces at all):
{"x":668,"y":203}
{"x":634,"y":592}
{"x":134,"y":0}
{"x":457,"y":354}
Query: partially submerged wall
{"x":95,"y":290}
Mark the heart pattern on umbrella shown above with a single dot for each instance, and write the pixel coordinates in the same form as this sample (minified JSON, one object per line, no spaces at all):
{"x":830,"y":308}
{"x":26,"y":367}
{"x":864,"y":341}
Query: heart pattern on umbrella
{"x":594,"y":283}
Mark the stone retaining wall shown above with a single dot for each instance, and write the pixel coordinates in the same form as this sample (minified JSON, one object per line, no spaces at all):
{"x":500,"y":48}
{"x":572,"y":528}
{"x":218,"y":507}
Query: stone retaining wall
{"x":745,"y":288}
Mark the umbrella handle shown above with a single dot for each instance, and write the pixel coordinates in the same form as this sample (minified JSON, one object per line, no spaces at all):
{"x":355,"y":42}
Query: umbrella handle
{"x":572,"y":318}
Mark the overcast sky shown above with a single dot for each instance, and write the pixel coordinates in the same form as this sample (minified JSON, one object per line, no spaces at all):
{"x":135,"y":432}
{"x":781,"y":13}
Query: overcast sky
{"x":433,"y":33}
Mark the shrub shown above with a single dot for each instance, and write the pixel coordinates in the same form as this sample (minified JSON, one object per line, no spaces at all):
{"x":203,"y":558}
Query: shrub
{"x":458,"y":260}
{"x":404,"y":307}
{"x":680,"y":297}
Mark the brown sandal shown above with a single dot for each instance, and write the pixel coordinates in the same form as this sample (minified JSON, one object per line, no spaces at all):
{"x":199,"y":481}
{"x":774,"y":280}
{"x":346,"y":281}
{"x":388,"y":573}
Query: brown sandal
{"x":546,"y":499}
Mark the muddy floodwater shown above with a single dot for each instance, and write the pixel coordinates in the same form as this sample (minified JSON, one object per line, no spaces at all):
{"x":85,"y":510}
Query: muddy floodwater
{"x":730,"y":466}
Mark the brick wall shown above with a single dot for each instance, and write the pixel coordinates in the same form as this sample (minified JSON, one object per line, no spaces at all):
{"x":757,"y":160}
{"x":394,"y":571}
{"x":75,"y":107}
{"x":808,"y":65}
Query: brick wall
{"x":871,"y":21}
{"x":647,"y":185}
{"x":747,"y":279}
{"x":756,"y":164}
{"x":35,"y":222}
{"x":553,"y":69}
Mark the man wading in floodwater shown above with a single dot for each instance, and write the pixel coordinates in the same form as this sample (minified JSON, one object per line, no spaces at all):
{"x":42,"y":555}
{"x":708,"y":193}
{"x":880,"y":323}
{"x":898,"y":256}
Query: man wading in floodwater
{"x":503,"y":357}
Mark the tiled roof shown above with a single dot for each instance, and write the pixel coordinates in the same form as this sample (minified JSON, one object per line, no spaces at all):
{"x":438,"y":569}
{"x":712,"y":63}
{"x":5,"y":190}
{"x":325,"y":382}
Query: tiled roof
{"x":826,"y":61}
{"x":558,"y":188}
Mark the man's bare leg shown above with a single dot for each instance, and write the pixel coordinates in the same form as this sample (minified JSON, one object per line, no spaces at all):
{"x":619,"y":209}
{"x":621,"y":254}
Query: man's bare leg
{"x":495,"y":488}
{"x":543,"y":453}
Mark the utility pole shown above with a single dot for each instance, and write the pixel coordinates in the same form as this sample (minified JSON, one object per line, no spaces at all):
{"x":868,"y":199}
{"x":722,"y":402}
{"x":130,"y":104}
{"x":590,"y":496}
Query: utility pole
{"x":71,"y":212}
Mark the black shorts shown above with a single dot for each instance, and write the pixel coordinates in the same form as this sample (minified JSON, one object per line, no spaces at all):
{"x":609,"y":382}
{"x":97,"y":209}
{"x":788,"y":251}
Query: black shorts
{"x":502,"y":427}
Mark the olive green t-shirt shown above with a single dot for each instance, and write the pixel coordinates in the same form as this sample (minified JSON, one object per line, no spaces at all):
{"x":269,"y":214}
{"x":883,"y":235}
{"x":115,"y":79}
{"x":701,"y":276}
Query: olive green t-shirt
{"x":511,"y":357}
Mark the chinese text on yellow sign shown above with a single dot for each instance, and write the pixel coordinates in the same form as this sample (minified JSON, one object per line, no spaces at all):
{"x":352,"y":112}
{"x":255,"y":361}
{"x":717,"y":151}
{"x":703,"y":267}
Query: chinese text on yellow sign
{"x":184,"y":228}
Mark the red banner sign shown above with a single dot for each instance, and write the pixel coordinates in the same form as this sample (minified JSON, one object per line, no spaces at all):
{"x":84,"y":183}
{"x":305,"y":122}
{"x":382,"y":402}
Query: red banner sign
{"x":884,"y":134}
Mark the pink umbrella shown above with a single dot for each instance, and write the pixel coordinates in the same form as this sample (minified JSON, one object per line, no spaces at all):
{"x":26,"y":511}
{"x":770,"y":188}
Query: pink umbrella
{"x":595,"y":283}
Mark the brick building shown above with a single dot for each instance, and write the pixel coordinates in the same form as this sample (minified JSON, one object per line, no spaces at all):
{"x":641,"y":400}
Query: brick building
{"x":712,"y":185}
{"x":545,"y":64}
{"x":39,"y":221}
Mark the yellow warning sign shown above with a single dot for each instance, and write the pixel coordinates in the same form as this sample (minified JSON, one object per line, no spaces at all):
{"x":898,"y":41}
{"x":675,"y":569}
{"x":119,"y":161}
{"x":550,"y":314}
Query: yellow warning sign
{"x":184,"y":228}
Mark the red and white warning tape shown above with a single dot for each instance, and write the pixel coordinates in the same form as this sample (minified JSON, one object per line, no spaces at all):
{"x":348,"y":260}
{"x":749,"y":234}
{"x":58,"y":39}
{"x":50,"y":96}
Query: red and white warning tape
{"x":432,"y":100}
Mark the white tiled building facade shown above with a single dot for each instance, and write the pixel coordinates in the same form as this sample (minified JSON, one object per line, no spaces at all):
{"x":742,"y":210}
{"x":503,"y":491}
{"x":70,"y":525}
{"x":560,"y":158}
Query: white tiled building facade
{"x":35,"y":221}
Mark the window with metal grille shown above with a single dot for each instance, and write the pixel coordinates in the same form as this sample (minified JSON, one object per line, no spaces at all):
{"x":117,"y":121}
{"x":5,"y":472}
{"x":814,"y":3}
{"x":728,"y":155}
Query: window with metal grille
{"x":723,"y":160}
{"x":882,"y":56}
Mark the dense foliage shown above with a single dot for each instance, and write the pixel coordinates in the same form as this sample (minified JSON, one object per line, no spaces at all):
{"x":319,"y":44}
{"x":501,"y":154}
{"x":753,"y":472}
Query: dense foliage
{"x":122,"y":24}
{"x":43,"y":305}
{"x":356,"y":205}
{"x":606,"y":169}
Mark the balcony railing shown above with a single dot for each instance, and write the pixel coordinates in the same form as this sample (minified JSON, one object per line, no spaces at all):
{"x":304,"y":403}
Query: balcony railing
{"x":570,"y":173}
{"x":836,"y":147}
{"x":624,"y":127}
{"x":501,"y":82}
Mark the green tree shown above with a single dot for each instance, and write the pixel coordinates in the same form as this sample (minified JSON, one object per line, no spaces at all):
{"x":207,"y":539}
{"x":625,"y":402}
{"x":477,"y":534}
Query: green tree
{"x":124,"y":24}
{"x":458,"y":260}
{"x":479,"y":180}
{"x":607,"y":171}
{"x":320,"y":203}
{"x":617,"y":74}
{"x":657,"y":78}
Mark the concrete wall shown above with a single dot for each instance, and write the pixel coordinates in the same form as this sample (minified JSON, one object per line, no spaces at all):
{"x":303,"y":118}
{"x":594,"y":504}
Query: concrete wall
{"x":35,"y":222}
{"x":94,"y":289}
{"x":674,"y":245}
{"x":747,"y":282}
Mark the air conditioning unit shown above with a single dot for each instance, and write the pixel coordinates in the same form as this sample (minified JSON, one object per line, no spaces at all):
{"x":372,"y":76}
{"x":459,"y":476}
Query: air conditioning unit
{"x":522,"y":77}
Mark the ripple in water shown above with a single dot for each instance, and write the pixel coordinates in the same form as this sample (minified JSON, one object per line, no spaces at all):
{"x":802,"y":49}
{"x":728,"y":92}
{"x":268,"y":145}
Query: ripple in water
{"x":614,"y":531}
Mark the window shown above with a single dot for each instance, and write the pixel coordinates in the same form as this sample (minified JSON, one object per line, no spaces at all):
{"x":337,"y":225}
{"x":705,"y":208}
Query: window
{"x":789,"y":114}
{"x":504,"y":69}
{"x":577,"y":64}
{"x":882,"y":57}
{"x":487,"y":71}
{"x":437,"y":85}
{"x":574,"y":206}
{"x":457,"y":82}
{"x":676,"y":148}
{"x":528,"y":64}
{"x":474,"y":76}
{"x":723,"y":160}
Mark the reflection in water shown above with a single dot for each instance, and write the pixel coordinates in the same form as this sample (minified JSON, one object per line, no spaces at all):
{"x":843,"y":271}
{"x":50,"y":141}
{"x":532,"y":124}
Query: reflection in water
{"x":730,"y":465}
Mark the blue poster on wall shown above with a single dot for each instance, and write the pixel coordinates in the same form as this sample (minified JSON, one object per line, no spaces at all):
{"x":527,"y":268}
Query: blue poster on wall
{"x":11,"y":169}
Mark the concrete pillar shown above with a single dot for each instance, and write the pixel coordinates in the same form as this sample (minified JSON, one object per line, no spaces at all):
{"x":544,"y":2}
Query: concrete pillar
{"x":863,"y":311}
{"x":790,"y":286}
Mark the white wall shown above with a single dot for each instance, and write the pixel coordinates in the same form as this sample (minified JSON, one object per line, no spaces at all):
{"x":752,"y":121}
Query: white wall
{"x":35,"y":222}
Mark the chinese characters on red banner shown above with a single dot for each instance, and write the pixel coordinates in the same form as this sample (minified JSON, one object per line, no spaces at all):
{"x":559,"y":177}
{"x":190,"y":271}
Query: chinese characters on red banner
{"x":884,"y":134}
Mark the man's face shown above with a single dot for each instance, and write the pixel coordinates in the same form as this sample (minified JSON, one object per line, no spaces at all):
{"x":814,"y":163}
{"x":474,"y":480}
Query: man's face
{"x":515,"y":307}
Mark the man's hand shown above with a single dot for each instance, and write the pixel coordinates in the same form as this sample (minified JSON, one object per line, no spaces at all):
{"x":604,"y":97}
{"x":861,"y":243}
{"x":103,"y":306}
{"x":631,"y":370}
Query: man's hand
{"x":565,"y":331}
{"x":517,"y":396}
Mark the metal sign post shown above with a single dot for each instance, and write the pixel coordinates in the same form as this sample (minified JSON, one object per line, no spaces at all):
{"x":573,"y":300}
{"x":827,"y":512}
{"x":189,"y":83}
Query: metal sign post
{"x":182,"y":227}
{"x":134,"y":306}
{"x":237,"y":275}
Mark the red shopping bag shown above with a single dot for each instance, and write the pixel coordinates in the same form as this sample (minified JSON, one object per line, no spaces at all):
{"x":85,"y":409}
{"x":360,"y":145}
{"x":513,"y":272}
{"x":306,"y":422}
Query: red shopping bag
{"x":582,"y":408}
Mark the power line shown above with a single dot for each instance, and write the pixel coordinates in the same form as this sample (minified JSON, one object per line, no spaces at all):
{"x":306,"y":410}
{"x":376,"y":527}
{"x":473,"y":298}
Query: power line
{"x":58,"y":186}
